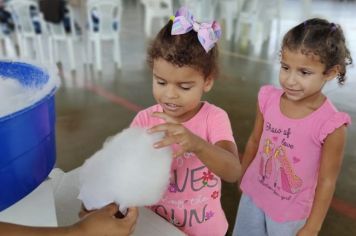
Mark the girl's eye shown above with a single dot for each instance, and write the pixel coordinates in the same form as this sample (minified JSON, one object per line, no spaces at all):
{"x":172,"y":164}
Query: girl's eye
{"x":161,"y":82}
{"x":284,"y":67}
{"x":185,"y":87}
{"x":305,"y":72}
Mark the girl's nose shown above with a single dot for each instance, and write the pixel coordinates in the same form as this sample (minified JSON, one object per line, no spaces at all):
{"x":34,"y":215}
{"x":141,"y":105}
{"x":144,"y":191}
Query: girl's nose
{"x":171,"y":92}
{"x":291,"y":78}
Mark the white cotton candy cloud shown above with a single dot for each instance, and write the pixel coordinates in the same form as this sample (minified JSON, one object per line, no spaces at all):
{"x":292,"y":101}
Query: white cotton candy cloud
{"x":127,"y":171}
{"x":14,"y":96}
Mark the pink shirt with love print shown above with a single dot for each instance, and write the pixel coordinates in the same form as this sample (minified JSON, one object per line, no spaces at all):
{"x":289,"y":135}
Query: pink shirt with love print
{"x":282,"y":178}
{"x":192,"y":200}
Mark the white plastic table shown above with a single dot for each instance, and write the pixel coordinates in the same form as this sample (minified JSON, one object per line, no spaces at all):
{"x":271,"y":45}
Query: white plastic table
{"x":36,"y":209}
{"x":55,"y":203}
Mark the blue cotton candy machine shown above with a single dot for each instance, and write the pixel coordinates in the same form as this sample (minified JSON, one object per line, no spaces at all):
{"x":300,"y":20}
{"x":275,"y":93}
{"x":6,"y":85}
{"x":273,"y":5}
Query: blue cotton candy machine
{"x":27,"y":137}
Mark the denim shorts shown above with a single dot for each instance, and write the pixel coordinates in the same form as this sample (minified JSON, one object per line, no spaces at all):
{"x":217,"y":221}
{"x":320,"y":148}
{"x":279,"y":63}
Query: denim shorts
{"x":252,"y":221}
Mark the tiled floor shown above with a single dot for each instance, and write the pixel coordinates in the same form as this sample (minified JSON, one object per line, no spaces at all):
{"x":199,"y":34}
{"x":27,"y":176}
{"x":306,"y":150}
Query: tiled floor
{"x":92,"y":106}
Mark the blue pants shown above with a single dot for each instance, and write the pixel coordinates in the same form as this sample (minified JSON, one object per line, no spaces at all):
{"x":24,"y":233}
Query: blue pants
{"x":252,"y":221}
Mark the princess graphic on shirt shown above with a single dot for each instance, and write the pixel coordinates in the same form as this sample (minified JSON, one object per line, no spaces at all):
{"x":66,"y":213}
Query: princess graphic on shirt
{"x":284,"y":174}
{"x":276,"y":167}
{"x":266,"y":155}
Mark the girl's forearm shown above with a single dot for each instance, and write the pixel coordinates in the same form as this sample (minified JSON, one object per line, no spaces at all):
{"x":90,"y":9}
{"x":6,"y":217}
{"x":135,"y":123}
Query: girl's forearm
{"x":17,"y":230}
{"x":323,"y":196}
{"x":224,"y":163}
{"x":249,"y":154}
{"x":330,"y":165}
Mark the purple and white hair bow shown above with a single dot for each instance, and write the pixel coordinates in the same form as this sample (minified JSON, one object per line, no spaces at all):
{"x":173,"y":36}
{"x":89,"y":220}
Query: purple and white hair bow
{"x":208,"y":33}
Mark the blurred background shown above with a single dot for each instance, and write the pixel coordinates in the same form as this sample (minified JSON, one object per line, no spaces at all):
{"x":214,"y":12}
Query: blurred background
{"x":99,"y":47}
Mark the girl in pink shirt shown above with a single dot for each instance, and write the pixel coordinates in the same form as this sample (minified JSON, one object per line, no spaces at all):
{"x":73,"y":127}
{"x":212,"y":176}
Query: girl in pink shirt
{"x":294,"y":154}
{"x":183,"y":57}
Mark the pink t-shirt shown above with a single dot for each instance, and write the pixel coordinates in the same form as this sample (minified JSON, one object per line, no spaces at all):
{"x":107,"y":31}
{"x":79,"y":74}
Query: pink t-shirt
{"x":192,"y":200}
{"x":282,"y":178}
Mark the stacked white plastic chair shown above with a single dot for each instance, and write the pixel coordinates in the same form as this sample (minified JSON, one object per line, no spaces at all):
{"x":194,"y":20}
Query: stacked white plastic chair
{"x":7,"y":48}
{"x":24,"y":27}
{"x":58,"y":34}
{"x":270,"y":12}
{"x":106,"y":27}
{"x":229,"y":10}
{"x":161,"y":9}
{"x":248,"y":16}
{"x":259,"y":16}
{"x":203,"y":10}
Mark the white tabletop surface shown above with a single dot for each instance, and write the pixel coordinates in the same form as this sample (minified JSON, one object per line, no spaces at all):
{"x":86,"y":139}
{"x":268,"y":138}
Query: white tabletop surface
{"x":36,"y":209}
{"x":55,"y":203}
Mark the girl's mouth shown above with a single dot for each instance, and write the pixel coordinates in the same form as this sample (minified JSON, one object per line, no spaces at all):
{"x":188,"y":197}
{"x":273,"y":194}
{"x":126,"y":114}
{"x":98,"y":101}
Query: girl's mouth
{"x":291,"y":91}
{"x":170,"y":106}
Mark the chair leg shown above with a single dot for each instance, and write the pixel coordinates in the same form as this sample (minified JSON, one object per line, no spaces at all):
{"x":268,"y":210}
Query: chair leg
{"x":88,"y":59}
{"x":266,"y":29}
{"x":117,"y":52}
{"x":9,"y":48}
{"x":230,"y":16}
{"x":71,"y":53}
{"x":256,"y":35}
{"x":55,"y":51}
{"x":238,"y":29}
{"x":229,"y":27}
{"x":82,"y":50}
{"x":98,"y":53}
{"x":252,"y":32}
{"x":24,"y":50}
{"x":20,"y":42}
{"x":40,"y":49}
{"x":50,"y":51}
{"x":148,"y":23}
{"x":2,"y":48}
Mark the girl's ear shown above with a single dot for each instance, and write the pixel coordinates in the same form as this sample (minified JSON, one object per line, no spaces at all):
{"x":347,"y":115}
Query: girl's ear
{"x":333,"y":72}
{"x":208,"y":84}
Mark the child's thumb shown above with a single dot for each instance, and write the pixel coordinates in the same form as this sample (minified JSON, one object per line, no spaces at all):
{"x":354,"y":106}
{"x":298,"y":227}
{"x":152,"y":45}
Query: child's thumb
{"x":111,"y":209}
{"x":132,"y":212}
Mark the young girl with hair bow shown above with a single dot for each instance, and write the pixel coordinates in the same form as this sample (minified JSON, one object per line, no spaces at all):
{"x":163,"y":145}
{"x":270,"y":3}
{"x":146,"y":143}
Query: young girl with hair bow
{"x":183,"y":58}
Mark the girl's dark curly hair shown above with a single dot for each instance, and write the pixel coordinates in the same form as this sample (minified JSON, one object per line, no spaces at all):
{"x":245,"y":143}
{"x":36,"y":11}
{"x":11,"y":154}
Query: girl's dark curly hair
{"x":321,"y":38}
{"x":183,"y":50}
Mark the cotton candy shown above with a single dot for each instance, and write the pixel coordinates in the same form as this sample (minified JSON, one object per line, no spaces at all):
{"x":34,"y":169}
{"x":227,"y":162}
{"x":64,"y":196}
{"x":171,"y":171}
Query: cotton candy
{"x":14,"y":96}
{"x":127,"y":171}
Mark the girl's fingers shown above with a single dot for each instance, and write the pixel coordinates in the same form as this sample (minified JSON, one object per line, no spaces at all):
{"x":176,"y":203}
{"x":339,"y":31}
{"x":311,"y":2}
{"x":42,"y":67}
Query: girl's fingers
{"x":175,"y":154}
{"x":168,"y":128}
{"x":132,"y":214}
{"x":178,"y":153}
{"x":157,"y":128}
{"x":111,"y":208}
{"x":165,"y":142}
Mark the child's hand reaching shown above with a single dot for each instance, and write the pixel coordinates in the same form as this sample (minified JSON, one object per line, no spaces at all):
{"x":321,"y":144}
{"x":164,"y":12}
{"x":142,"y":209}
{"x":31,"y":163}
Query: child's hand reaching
{"x":176,"y":133}
{"x":103,"y":222}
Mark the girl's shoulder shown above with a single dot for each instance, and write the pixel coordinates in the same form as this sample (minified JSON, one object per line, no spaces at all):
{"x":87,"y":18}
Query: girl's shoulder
{"x":208,"y":112}
{"x":211,"y":108}
{"x":268,"y":94}
{"x":211,"y":112}
{"x":332,"y":118}
{"x":214,"y":122}
{"x":267,"y":91}
{"x":144,"y":117}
